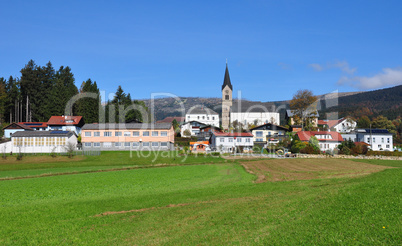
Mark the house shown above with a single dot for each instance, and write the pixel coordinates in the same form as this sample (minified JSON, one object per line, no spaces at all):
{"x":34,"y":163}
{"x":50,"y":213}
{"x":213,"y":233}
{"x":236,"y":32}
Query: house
{"x":199,"y":146}
{"x":192,"y":126}
{"x":229,"y":142}
{"x":42,"y":141}
{"x":65,"y":123}
{"x":206,"y":132}
{"x":202,"y":114}
{"x":242,"y":111}
{"x":290,"y":117}
{"x":268,"y":133}
{"x":377,"y":139}
{"x":37,"y":126}
{"x":15,"y":127}
{"x":327,"y":140}
{"x":179,"y":120}
{"x":128,"y":136}
{"x":343,"y":125}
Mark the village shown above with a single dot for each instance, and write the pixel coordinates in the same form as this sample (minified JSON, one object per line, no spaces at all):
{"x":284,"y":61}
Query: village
{"x":238,"y":129}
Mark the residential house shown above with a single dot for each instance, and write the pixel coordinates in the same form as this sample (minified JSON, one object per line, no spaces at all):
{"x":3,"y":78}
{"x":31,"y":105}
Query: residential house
{"x":42,"y":141}
{"x":268,"y":133}
{"x":15,"y":127}
{"x":202,"y":114}
{"x":229,"y":142}
{"x":37,"y":126}
{"x":327,"y":140}
{"x":128,"y":136}
{"x":66,"y":123}
{"x":199,"y":146}
{"x":343,"y":125}
{"x":206,"y":132}
{"x":378,"y":139}
{"x":192,"y":126}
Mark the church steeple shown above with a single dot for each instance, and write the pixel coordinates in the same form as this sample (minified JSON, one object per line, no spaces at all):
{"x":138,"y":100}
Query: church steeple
{"x":226,"y":80}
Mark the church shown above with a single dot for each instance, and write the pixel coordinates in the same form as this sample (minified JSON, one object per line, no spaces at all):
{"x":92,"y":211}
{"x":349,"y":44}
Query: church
{"x":241,"y":111}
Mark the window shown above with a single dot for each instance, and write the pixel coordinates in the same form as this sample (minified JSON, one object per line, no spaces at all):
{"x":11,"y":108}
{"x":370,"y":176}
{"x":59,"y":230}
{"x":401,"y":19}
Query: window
{"x":117,"y":144}
{"x":207,"y":118}
{"x":368,"y":140}
{"x":258,"y":134}
{"x":188,"y":117}
{"x":145,"y":134}
{"x":213,"y":117}
{"x":107,"y":134}
{"x":145,"y":144}
{"x":382,"y":140}
{"x":230,"y":140}
{"x":117,"y":134}
{"x":203,"y":117}
{"x":40,"y":141}
{"x":239,"y":140}
{"x":198,"y":117}
{"x":269,"y":134}
{"x":387,"y":140}
{"x":373,"y":140}
{"x":387,"y":146}
{"x":107,"y":144}
{"x":127,"y":144}
{"x":164,"y":144}
{"x":163,"y":133}
{"x":259,"y":140}
{"x":155,"y":144}
{"x":226,"y":97}
{"x":248,"y":140}
{"x":127,"y":134}
{"x":97,"y":145}
{"x":379,"y":146}
{"x":136,"y":144}
{"x":96,"y":134}
{"x":154,"y":134}
{"x":87,"y":144}
{"x":87,"y":134}
{"x":136,"y":134}
{"x":222,"y":140}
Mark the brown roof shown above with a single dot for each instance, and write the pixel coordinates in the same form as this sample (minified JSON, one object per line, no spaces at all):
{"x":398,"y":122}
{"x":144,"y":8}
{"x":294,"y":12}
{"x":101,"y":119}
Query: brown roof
{"x":18,"y":126}
{"x":306,"y":135}
{"x":64,"y":120}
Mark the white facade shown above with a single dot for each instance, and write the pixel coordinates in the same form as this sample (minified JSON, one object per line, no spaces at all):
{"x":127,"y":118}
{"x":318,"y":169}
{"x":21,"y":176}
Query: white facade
{"x":207,"y":119}
{"x":378,"y":139}
{"x":260,"y":118}
{"x":230,"y":141}
{"x":41,"y":143}
{"x":192,"y":126}
{"x":345,"y":126}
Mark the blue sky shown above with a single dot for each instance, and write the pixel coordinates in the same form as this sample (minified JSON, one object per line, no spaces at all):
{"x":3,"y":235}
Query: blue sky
{"x":273,"y":48}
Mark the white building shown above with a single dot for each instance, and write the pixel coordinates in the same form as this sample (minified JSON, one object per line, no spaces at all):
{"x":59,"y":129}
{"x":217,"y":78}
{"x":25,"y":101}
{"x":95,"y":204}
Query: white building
{"x":202,"y":114}
{"x":192,"y":126}
{"x":343,"y":125}
{"x":228,"y":142}
{"x":15,"y":127}
{"x":42,"y":141}
{"x":378,"y":139}
{"x":254,"y":118}
{"x":327,"y":140}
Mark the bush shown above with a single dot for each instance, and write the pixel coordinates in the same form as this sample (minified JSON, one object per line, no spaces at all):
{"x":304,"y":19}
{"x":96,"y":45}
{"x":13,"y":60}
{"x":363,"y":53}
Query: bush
{"x":384,"y":153}
{"x":309,"y":150}
{"x":345,"y":150}
{"x":19,"y":156}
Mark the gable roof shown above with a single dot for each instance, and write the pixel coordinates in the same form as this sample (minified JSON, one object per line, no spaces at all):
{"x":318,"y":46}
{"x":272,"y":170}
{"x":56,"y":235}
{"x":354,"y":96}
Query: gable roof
{"x":18,"y":126}
{"x":234,"y":134}
{"x":331,"y":123}
{"x":226,"y":79}
{"x":306,"y":135}
{"x":269,"y":126}
{"x":34,"y":124}
{"x":65,"y":120}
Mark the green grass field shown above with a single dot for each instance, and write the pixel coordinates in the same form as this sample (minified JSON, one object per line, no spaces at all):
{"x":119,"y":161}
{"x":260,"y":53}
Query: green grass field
{"x":214,"y":203}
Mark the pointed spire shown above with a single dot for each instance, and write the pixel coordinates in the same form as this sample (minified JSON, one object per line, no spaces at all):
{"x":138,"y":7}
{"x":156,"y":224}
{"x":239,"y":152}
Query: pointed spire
{"x":226,"y":80}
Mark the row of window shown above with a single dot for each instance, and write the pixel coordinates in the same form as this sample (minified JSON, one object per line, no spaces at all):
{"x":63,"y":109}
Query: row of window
{"x":39,"y":141}
{"x":239,"y":140}
{"x":126,"y":144}
{"x":382,"y":140}
{"x":203,"y":117}
{"x":260,"y":134}
{"x":127,"y":134}
{"x":386,"y":146}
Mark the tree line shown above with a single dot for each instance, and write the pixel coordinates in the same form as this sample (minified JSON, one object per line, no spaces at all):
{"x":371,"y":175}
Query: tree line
{"x":41,"y":92}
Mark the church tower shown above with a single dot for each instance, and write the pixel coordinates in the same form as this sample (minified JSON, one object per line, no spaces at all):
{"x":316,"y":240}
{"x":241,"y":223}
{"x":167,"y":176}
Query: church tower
{"x":227,"y":90}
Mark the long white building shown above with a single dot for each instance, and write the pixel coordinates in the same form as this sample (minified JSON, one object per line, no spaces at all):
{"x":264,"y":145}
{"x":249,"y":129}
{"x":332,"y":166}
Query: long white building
{"x":202,"y":114}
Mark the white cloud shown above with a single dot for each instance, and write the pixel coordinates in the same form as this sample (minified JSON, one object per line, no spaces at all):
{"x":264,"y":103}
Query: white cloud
{"x":388,"y":77}
{"x":316,"y":66}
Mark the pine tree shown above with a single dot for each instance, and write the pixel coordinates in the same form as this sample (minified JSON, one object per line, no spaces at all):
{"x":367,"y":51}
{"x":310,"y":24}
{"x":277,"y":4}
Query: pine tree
{"x":86,"y":107}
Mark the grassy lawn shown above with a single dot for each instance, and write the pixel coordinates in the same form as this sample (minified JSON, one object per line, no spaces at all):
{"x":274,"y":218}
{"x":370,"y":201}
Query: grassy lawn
{"x":45,"y":164}
{"x":204,"y":204}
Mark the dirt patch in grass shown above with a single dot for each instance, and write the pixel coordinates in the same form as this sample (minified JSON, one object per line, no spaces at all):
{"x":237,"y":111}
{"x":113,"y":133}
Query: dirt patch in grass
{"x":40,"y":159}
{"x":300,"y":169}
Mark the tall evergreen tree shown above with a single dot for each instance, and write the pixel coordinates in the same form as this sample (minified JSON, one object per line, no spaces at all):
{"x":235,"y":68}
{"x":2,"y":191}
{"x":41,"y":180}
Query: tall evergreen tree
{"x":86,"y":107}
{"x":13,"y":97}
{"x":64,"y":89}
{"x":3,"y":100}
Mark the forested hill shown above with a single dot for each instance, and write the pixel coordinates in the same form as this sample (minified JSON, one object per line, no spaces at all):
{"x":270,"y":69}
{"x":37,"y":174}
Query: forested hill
{"x":386,"y":102}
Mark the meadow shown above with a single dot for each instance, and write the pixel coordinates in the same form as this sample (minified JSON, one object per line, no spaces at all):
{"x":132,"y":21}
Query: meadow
{"x":207,"y":200}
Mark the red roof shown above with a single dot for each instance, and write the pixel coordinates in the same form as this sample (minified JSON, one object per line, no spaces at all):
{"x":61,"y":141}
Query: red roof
{"x":235,"y":134}
{"x":64,"y":120}
{"x":330,"y":123}
{"x":170,"y":120}
{"x":17,"y":126}
{"x":34,"y":124}
{"x":306,"y":135}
